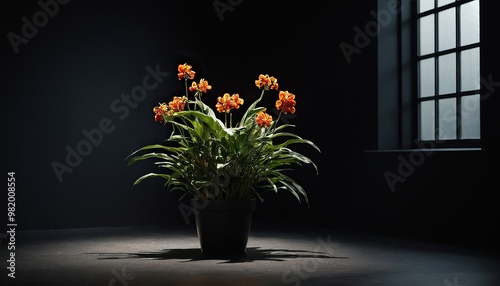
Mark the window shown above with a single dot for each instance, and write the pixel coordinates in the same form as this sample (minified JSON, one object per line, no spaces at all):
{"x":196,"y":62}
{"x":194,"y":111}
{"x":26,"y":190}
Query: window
{"x":428,"y":75}
{"x":448,"y":72}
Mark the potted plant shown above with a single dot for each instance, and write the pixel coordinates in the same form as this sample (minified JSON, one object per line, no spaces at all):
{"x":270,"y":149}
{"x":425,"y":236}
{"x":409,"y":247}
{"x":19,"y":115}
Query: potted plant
{"x":219,"y":164}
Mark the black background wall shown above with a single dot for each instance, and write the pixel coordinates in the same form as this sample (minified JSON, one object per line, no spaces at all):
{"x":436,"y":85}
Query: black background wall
{"x":72,"y":68}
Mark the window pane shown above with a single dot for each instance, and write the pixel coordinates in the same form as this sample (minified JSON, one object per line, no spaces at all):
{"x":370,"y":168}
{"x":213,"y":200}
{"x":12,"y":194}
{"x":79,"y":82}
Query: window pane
{"x":447,"y":73}
{"x":469,"y":23}
{"x":444,"y":2}
{"x":427,"y":78}
{"x":425,"y":5}
{"x":447,"y":118}
{"x":447,"y":26}
{"x":427,"y":120}
{"x":470,"y":117}
{"x":470,"y":78}
{"x":426,"y":35}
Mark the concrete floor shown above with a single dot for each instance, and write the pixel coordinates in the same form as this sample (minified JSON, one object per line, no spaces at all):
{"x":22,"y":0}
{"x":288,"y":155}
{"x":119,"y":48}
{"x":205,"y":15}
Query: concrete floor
{"x":276,"y":255}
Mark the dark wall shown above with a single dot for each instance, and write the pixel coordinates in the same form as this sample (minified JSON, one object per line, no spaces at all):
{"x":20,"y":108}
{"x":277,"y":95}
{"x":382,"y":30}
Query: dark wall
{"x":70,"y":68}
{"x":69,"y":78}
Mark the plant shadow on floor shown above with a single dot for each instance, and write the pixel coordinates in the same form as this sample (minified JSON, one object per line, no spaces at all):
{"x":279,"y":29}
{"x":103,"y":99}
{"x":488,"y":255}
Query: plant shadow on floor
{"x":194,"y":254}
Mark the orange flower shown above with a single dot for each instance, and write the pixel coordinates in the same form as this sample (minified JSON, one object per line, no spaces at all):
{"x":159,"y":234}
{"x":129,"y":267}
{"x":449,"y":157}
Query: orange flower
{"x":235,"y":101}
{"x":286,"y":102}
{"x":193,"y":87}
{"x":178,"y":103}
{"x":185,"y":72}
{"x":223,"y":103}
{"x":227,"y":102}
{"x":263,"y":119}
{"x":159,"y":111}
{"x":266,"y":82}
{"x":203,"y":86}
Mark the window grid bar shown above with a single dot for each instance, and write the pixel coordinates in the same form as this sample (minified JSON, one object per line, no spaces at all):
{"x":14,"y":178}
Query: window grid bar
{"x":436,"y":72}
{"x":458,"y":111}
{"x":442,"y":8}
{"x":400,"y":80}
{"x":449,"y":51}
{"x":449,"y":95}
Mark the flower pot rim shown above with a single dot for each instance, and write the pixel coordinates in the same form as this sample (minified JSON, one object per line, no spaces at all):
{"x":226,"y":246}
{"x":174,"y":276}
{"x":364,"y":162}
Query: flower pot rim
{"x":230,"y":205}
{"x":218,"y":200}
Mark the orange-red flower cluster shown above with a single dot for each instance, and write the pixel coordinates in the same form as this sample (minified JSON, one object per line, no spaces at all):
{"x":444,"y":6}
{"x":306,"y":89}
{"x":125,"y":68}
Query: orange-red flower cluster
{"x":159,"y":111}
{"x":203,"y":86}
{"x":185,"y":72}
{"x":286,"y":102}
{"x":177,"y":104}
{"x":228,"y":102}
{"x":263,"y":119}
{"x":267,"y":82}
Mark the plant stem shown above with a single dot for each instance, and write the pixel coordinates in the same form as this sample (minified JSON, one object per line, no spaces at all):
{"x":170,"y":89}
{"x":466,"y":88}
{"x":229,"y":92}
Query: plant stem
{"x":186,"y":90}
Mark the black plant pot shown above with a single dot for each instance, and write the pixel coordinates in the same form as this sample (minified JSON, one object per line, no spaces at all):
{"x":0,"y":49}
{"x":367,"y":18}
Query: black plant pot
{"x":223,"y":226}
